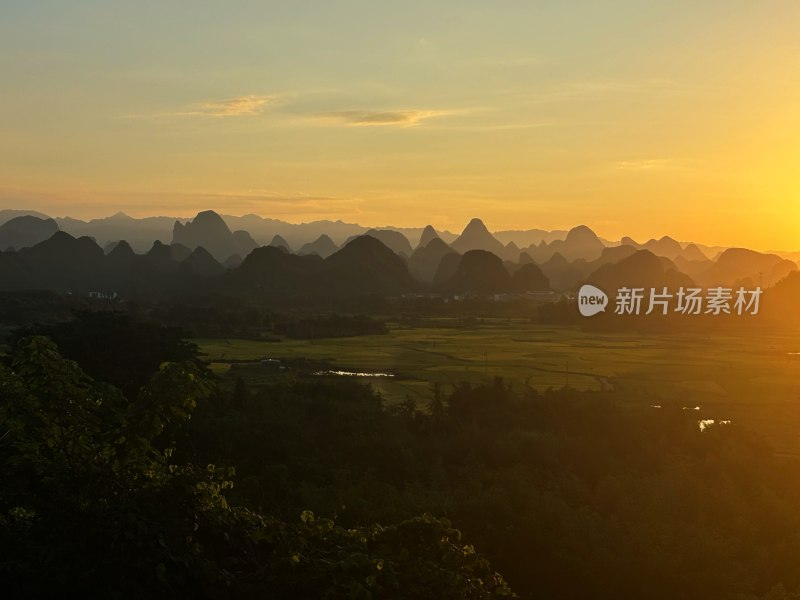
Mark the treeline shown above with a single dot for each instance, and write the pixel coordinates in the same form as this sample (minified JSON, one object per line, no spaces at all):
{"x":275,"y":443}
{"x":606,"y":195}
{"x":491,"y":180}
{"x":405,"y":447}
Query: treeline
{"x":53,"y":315}
{"x":218,"y":316}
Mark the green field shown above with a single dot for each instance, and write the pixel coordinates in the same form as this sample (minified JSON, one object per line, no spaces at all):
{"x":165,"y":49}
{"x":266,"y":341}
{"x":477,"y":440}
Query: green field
{"x":739,"y":377}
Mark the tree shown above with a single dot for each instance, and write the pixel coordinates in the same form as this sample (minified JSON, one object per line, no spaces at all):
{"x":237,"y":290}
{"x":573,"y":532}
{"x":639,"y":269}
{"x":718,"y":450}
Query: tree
{"x":115,"y":348}
{"x":103,"y":502}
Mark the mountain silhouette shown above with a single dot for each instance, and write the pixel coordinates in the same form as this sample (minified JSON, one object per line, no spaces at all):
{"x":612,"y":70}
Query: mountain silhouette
{"x":511,"y":252}
{"x":142,"y":232}
{"x":390,"y":238}
{"x":7,"y":214}
{"x":201,"y":263}
{"x":562,"y":274}
{"x":529,"y":278}
{"x":669,"y":248}
{"x":279,"y":242}
{"x":529,"y":237}
{"x":481,"y":272}
{"x":118,"y":267}
{"x":139,"y":233}
{"x":121,"y":256}
{"x":25,"y":231}
{"x":477,"y":237}
{"x":366,"y":265}
{"x":666,"y":246}
{"x":323,"y":246}
{"x":160,"y":258}
{"x":643,"y":269}
{"x":692,"y":252}
{"x":446,"y":269}
{"x":581,"y":242}
{"x":269,"y":272}
{"x":296,"y":234}
{"x":211,"y":232}
{"x":65,"y":263}
{"x":612,"y":254}
{"x":244,"y":242}
{"x":693,"y":268}
{"x":567,"y":276}
{"x":428,"y":234}
{"x":426,"y":259}
{"x":739,"y":266}
{"x":525,"y":259}
{"x":121,"y":251}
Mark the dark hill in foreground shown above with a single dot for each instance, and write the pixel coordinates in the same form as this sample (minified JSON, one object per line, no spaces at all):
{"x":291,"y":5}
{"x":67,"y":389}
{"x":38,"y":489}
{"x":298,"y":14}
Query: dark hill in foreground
{"x":641,"y":269}
{"x":479,"y":272}
{"x":25,"y":231}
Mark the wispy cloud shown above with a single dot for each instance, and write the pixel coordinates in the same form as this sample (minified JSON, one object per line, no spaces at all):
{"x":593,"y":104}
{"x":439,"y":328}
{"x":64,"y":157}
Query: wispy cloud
{"x":397,"y":118}
{"x":644,"y":164}
{"x":235,"y":107}
{"x":241,"y":106}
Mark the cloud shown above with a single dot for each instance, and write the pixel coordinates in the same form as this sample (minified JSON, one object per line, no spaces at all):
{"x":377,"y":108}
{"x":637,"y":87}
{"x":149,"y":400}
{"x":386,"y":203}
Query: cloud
{"x":235,"y":107}
{"x":242,"y":106}
{"x":397,"y":118}
{"x":647,"y":164}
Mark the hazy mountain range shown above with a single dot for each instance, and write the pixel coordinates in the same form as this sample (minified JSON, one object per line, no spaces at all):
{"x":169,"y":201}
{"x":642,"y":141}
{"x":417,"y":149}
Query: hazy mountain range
{"x":141,"y":233}
{"x":207,"y":255}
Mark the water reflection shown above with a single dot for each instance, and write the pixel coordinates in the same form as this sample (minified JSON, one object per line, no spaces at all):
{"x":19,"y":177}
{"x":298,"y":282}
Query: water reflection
{"x":706,"y":423}
{"x":354,"y":374}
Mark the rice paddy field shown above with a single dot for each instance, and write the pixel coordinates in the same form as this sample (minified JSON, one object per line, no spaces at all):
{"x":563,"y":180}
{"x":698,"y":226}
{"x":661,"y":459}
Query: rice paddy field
{"x":739,"y":377}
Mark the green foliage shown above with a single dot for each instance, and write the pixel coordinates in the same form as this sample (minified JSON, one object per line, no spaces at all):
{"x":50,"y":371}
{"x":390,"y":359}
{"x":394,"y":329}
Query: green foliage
{"x":569,"y":494}
{"x":114,"y":347}
{"x":315,"y":558}
{"x":88,"y":478}
{"x":56,"y":416}
{"x":101,"y":502}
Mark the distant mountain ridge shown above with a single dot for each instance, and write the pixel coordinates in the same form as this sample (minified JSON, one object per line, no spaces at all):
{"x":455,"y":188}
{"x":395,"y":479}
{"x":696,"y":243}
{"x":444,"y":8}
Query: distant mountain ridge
{"x":428,"y":234}
{"x":209,"y":230}
{"x":476,"y":236}
{"x":365,"y":265}
{"x":540,"y":244}
{"x":323,"y":247}
{"x":425,"y":260}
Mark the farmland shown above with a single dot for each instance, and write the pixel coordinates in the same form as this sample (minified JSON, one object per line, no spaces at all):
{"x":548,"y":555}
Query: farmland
{"x":738,"y":377}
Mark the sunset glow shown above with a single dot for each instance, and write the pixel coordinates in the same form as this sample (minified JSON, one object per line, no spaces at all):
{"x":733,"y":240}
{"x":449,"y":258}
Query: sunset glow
{"x":636,"y":119}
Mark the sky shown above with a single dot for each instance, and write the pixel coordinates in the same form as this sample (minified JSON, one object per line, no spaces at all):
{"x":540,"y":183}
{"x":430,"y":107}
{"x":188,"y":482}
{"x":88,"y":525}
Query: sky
{"x":635,"y":117}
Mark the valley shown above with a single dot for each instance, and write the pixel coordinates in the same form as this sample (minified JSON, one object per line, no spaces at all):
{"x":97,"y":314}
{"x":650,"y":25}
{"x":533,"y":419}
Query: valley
{"x":752,"y":380}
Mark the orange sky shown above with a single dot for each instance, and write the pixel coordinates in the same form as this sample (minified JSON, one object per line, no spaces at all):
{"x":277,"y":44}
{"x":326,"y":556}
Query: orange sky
{"x":633,"y":119}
